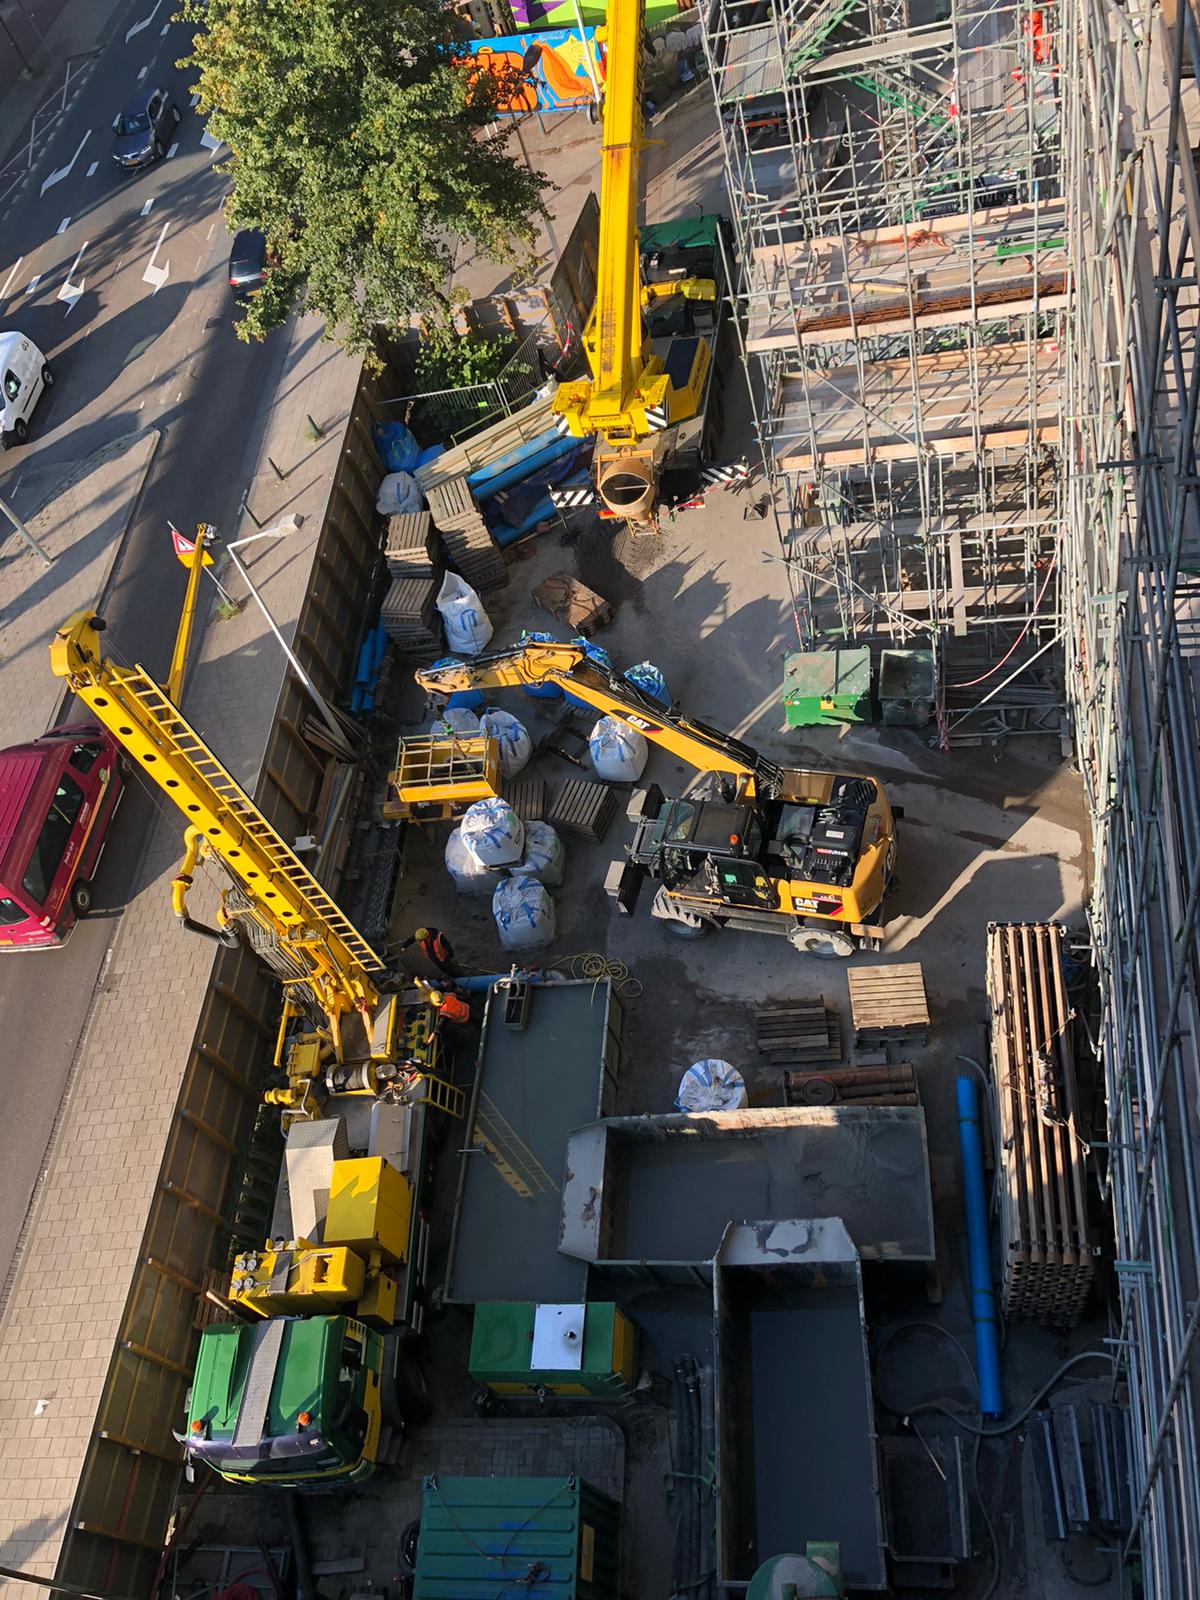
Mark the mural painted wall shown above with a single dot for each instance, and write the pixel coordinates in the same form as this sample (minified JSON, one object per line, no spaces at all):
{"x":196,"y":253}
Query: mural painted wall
{"x":544,"y":71}
{"x":561,"y":13}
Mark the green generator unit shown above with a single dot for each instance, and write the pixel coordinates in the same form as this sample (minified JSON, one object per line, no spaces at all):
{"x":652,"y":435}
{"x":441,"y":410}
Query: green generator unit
{"x":582,"y":1352}
{"x":907,"y":688}
{"x":823,"y":686}
{"x":484,"y":1537}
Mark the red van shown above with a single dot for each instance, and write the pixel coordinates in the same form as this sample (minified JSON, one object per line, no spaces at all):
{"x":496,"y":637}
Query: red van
{"x":57,"y":799}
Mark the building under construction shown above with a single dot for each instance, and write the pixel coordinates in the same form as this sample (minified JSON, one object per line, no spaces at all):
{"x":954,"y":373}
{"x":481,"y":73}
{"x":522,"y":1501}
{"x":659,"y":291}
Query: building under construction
{"x":969,"y":298}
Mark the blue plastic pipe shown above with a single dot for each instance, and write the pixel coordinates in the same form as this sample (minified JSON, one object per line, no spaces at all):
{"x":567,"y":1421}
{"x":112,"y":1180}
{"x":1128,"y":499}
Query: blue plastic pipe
{"x":546,"y":456}
{"x":983,"y":1294}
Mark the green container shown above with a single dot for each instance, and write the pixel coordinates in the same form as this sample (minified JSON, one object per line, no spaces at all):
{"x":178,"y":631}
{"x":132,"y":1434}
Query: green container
{"x":821,"y":686}
{"x":907,"y":688}
{"x":576,"y":1352}
{"x":484,"y":1537}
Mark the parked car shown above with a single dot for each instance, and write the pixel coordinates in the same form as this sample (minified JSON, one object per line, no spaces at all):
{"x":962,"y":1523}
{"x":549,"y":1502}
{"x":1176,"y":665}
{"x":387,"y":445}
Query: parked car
{"x":25,"y":376}
{"x":247,"y":262}
{"x":58,"y":796}
{"x":144,"y":128}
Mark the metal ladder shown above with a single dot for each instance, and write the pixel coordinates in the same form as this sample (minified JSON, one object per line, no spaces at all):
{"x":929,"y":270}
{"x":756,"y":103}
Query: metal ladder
{"x":813,"y":32}
{"x":236,"y":812}
{"x":259,"y":1382}
{"x":511,"y":1156}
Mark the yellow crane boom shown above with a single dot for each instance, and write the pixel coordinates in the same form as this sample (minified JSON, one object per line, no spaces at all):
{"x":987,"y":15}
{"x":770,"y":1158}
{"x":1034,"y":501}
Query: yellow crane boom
{"x":279,"y":894}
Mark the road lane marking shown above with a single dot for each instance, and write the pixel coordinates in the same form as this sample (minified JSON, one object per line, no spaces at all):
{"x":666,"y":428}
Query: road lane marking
{"x":12,"y":272}
{"x":172,"y":150}
{"x":212,"y":228}
{"x":145,"y":22}
{"x":92,"y":169}
{"x":142,"y":71}
{"x":33,"y":283}
{"x":155,"y":274}
{"x":70,"y":292}
{"x":63,"y":172}
{"x":164,"y":30}
{"x":63,"y":225}
{"x":195,"y":100}
{"x":209,"y":143}
{"x":146,"y":207}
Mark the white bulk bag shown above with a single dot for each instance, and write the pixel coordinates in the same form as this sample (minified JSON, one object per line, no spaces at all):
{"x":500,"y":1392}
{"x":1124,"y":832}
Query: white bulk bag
{"x":457,"y":721}
{"x":468,"y":626}
{"x":524,"y":914}
{"x":618,"y":751}
{"x":711,"y":1085}
{"x":544,"y":856}
{"x":493,"y":833}
{"x":509,"y":733}
{"x":398,"y":495}
{"x":469,"y":874}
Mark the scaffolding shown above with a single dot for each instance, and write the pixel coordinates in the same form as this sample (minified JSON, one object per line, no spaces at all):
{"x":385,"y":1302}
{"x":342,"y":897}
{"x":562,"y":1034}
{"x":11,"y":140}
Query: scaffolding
{"x":895,"y":188}
{"x":1131,"y":563}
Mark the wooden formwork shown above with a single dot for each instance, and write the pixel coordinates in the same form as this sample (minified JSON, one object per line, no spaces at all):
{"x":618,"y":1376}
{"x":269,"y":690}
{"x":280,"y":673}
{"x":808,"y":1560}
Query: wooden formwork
{"x":1047,"y":1249}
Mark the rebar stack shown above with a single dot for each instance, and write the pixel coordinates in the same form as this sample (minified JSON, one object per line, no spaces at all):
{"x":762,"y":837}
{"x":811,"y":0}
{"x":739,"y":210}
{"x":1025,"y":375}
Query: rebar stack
{"x":1046,"y":1246}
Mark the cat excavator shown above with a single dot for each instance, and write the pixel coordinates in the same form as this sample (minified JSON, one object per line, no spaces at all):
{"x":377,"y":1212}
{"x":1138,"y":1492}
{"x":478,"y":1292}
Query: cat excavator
{"x":803,"y":853}
{"x":636,"y":395}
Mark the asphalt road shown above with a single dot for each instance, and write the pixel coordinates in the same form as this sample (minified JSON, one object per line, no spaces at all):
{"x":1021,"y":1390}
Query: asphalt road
{"x":121,"y":280}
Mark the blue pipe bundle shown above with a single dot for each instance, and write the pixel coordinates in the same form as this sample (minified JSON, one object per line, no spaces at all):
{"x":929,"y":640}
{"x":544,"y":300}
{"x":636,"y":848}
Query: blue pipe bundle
{"x":983,"y":1294}
{"x":366,"y":676}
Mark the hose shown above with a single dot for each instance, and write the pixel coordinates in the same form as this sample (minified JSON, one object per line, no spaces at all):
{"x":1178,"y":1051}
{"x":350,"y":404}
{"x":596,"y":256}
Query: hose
{"x":590,"y":964}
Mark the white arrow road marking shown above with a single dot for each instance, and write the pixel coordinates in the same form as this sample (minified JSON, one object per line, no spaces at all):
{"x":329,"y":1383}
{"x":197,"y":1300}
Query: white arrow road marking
{"x":63,"y":172}
{"x":12,"y":272}
{"x":209,"y":143}
{"x":70,"y":292}
{"x":155,"y":274}
{"x":144,"y":23}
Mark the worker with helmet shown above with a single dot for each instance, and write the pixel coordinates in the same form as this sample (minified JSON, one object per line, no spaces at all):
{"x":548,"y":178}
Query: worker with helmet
{"x":450,"y":1007}
{"x":434,"y":946}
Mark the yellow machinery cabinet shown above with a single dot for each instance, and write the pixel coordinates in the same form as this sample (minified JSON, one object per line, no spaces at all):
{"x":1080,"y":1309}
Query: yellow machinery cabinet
{"x":276,"y":1282}
{"x":370,"y":1208}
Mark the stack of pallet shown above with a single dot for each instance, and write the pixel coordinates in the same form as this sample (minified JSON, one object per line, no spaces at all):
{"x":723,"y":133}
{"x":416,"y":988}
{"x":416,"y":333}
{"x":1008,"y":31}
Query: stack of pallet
{"x":1046,"y":1244}
{"x":411,"y":547}
{"x":410,"y":616}
{"x":795,"y":1032}
{"x":584,"y":809}
{"x":469,"y":546}
{"x":861,"y":1086}
{"x":888,"y":1005}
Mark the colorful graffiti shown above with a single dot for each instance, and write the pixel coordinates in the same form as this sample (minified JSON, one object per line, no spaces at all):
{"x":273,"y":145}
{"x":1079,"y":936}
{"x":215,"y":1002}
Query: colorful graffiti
{"x":540,"y":71}
{"x":561,"y":13}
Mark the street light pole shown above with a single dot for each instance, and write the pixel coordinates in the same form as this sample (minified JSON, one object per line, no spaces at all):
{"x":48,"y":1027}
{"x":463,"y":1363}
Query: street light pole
{"x":33,"y":544}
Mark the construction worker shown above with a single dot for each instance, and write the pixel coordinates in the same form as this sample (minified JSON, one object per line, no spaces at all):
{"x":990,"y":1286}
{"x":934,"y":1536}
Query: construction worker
{"x":437,"y":950}
{"x":449,"y":1006}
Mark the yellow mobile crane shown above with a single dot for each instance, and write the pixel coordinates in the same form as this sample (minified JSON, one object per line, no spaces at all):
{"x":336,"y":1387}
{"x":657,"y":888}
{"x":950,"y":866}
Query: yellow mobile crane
{"x":784,"y":850}
{"x":633,"y":395}
{"x":327,"y":967}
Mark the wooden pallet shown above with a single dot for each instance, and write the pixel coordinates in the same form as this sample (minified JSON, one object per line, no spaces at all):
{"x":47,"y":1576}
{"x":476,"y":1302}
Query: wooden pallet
{"x":583,"y":808}
{"x":861,"y":1086}
{"x":1046,"y":1243}
{"x":527,"y":797}
{"x":797,"y":1031}
{"x":888,"y":1004}
{"x":410,"y":546}
{"x":578,"y":608}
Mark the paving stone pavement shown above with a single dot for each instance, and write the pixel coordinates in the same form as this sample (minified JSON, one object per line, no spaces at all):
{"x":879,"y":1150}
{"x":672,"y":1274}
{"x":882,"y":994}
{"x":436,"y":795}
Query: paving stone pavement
{"x":81,"y":527}
{"x":85,"y":1232}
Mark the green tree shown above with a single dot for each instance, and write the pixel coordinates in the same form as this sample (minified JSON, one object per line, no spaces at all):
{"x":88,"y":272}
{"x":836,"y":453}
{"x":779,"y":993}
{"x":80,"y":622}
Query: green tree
{"x":355,"y":140}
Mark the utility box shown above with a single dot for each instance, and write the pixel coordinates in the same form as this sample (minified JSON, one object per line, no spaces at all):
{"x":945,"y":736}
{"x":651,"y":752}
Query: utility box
{"x":370,"y":1208}
{"x":822,"y":686}
{"x":907,"y":688}
{"x":481,"y":1535}
{"x":573,"y":1351}
{"x":277,"y":1282}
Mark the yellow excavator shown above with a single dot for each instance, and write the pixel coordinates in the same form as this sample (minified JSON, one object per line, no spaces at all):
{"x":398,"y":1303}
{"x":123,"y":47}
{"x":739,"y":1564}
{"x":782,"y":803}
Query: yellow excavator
{"x":633,"y":395}
{"x":784,"y":850}
{"x":362,"y":1039}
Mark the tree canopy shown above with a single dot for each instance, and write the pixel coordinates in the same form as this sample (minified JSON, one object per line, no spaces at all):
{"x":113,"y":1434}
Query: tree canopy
{"x":355,"y":147}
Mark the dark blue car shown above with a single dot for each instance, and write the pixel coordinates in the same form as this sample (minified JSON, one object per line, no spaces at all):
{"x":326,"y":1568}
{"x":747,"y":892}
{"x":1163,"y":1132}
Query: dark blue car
{"x":144,"y":128}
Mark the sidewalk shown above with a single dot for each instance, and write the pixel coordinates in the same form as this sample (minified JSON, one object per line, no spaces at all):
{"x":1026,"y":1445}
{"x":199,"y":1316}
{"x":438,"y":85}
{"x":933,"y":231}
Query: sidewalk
{"x":84,"y":1238}
{"x":81,"y":526}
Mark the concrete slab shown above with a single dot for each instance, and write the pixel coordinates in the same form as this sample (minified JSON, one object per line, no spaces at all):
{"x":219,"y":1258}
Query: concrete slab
{"x":80,"y":522}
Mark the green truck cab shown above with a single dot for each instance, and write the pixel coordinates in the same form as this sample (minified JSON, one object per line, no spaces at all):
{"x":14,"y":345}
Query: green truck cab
{"x":300,"y":1402}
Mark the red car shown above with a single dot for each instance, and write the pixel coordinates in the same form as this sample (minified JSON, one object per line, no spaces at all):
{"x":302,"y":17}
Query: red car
{"x":57,"y":799}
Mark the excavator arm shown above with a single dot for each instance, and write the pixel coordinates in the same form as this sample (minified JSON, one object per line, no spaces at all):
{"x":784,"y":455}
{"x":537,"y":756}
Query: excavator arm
{"x":271,"y":885}
{"x":570,"y":667}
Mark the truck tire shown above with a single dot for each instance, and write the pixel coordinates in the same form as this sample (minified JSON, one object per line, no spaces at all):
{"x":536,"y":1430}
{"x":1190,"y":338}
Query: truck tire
{"x":830,"y":944}
{"x":406,"y":1548}
{"x":81,"y":897}
{"x":20,"y":430}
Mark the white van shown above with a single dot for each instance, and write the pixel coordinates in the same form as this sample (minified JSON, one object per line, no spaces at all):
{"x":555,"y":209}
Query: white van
{"x":24,"y":375}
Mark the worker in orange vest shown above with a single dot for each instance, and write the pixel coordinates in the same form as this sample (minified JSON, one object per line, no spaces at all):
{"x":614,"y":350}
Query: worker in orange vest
{"x":435,"y":947}
{"x":449,"y":1006}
